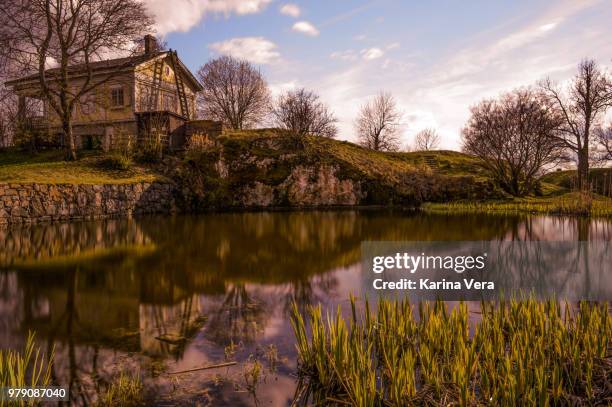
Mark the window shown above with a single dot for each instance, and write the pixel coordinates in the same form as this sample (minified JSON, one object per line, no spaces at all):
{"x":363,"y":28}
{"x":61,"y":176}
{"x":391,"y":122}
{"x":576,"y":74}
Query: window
{"x":117,"y":99}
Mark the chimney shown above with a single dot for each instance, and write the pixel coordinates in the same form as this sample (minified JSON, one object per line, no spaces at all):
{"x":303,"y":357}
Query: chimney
{"x":150,"y":44}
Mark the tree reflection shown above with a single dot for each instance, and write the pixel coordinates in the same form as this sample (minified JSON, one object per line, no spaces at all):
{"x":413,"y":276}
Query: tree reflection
{"x":239,"y":318}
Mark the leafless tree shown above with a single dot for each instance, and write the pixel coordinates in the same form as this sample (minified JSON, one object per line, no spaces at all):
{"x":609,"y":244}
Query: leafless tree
{"x":604,"y":137}
{"x":73,"y":34}
{"x":426,"y":140}
{"x":16,"y":127}
{"x":581,"y":105}
{"x":235,"y":93}
{"x":379,"y":123}
{"x":15,"y":118}
{"x":514,"y":137}
{"x":302,"y":112}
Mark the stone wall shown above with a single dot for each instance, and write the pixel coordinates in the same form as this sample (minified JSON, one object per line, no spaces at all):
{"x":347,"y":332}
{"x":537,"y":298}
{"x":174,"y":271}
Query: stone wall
{"x":32,"y":203}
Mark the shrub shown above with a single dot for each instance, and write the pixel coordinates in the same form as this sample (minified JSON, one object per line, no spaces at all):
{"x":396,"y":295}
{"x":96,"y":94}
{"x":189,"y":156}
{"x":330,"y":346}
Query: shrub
{"x":116,"y":161}
{"x":150,"y":150}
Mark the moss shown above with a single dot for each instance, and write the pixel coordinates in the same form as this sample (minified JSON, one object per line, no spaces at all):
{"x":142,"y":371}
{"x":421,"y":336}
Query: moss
{"x":276,"y":174}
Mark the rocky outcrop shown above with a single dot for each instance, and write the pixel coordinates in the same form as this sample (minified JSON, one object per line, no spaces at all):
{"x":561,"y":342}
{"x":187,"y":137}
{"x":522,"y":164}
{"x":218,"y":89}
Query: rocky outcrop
{"x":321,"y":185}
{"x":270,"y":170}
{"x":31,"y":203}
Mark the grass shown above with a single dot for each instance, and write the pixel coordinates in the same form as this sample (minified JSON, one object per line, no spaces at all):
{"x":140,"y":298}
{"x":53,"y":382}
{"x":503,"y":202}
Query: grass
{"x":49,"y":167}
{"x":366,"y":161}
{"x":521,"y":353}
{"x":265,"y":143}
{"x":445,"y":162}
{"x":599,"y":178}
{"x":569,"y":203}
{"x":24,"y":368}
{"x":125,"y":390}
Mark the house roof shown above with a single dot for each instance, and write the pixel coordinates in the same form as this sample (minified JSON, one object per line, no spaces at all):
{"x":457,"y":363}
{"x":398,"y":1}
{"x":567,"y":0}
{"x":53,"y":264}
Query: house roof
{"x":110,"y":64}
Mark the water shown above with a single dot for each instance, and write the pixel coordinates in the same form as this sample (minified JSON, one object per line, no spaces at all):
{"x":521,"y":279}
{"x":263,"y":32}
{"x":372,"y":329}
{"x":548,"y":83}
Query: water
{"x":165,"y":294}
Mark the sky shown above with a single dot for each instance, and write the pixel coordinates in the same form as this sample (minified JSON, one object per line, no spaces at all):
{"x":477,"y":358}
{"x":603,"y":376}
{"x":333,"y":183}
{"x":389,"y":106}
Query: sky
{"x":436,"y":57}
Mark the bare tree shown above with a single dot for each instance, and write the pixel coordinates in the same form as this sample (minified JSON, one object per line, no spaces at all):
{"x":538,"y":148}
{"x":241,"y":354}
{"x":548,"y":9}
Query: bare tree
{"x":378,"y":124}
{"x":302,"y":112}
{"x":73,"y":34}
{"x":514,"y":137}
{"x":426,"y":140}
{"x":604,"y":138}
{"x":234,"y":92}
{"x":15,"y":121}
{"x":581,"y":106}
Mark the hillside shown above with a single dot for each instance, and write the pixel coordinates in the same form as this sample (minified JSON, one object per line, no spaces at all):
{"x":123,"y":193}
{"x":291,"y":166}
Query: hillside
{"x":268,"y":168}
{"x":600,"y":179}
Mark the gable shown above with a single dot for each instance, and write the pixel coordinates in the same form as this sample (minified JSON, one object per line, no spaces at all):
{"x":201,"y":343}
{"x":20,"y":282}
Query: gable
{"x":145,"y":70}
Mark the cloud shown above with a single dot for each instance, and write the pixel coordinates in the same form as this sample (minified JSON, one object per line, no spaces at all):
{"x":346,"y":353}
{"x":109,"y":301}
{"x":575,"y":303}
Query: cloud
{"x":348,"y":55}
{"x":367,"y":54}
{"x":254,"y":49}
{"x":51,"y":62}
{"x":439,"y":93}
{"x":305,"y":27}
{"x":279,"y":88}
{"x":372,"y":53}
{"x":291,"y":9}
{"x":182,"y":15}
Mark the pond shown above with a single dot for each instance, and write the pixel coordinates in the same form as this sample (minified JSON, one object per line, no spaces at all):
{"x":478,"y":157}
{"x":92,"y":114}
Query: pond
{"x":159,"y":295}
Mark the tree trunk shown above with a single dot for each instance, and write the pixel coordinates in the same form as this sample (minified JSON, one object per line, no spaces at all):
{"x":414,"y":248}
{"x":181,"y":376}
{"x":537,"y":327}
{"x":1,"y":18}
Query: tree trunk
{"x":69,"y":138}
{"x":583,"y":168}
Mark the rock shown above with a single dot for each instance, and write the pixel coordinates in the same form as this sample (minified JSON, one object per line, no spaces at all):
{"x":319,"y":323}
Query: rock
{"x":258,"y":195}
{"x":30,"y":203}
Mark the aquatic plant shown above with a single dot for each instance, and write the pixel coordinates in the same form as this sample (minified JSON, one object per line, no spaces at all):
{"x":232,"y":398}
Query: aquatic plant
{"x":125,"y":390}
{"x":27,"y":368}
{"x":521,"y":353}
{"x":253,"y":374}
{"x":570,"y":204}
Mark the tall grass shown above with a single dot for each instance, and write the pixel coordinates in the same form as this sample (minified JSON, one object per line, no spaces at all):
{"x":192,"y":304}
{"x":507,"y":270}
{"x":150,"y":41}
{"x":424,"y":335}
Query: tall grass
{"x":571,"y":204}
{"x":125,"y":390}
{"x":28,"y":367}
{"x":520,"y":353}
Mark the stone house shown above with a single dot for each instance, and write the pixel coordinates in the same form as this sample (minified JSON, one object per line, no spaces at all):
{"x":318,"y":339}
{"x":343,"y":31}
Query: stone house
{"x":152,"y":95}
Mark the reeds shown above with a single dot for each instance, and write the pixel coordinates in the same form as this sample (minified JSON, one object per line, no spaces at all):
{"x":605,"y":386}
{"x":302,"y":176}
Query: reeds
{"x":571,"y":204}
{"x":27,"y":368}
{"x":125,"y":390}
{"x":520,"y":353}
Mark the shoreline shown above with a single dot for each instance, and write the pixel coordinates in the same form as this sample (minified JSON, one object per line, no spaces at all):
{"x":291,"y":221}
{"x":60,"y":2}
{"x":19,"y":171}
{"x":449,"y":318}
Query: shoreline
{"x":131,"y":211}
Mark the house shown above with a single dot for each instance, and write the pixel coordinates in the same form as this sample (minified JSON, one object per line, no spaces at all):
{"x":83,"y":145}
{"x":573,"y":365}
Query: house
{"x":146,"y":96}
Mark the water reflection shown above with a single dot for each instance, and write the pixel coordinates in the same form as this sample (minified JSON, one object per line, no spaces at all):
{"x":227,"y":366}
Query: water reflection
{"x":179,"y":290}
